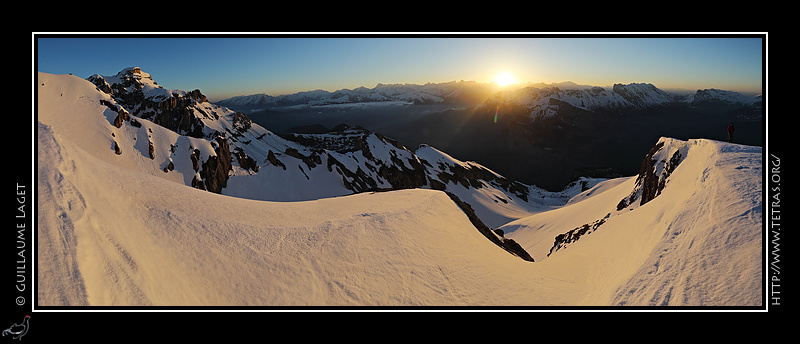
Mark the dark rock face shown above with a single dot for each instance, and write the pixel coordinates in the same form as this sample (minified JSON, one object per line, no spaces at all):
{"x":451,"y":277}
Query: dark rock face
{"x":402,"y":177}
{"x":564,"y":239}
{"x":649,"y":184}
{"x":245,"y":161}
{"x":311,"y":161}
{"x":122,"y":115}
{"x":494,"y":236}
{"x":241,"y":124}
{"x":215,"y":170}
{"x":647,"y":177}
{"x":651,"y":181}
{"x":473,"y":176}
{"x":356,"y":181}
{"x":175,"y":112}
{"x":399,"y":173}
{"x":100,"y":83}
{"x":274,"y":160}
{"x":195,"y":157}
{"x":181,"y":120}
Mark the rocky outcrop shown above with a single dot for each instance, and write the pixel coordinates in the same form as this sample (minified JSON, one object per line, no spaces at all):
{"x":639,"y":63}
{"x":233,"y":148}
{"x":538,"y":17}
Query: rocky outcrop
{"x":214,"y":171}
{"x":357,"y":181}
{"x":241,"y":124}
{"x":122,"y":115}
{"x":195,"y":158}
{"x":172,"y":110}
{"x":398,"y":171}
{"x":471,"y":176}
{"x":274,"y":160}
{"x":646,"y":181}
{"x":181,"y":120}
{"x":246,"y":162}
{"x":653,"y":174}
{"x":658,"y":164}
{"x":564,"y":239}
{"x":311,"y":161}
{"x":212,"y":174}
{"x":494,"y":236}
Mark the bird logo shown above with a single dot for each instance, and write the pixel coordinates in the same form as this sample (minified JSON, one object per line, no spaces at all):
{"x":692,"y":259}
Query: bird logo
{"x":18,"y":330}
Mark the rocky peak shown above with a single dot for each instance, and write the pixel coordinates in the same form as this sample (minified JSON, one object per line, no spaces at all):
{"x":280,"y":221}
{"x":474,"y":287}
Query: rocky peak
{"x":143,"y":97}
{"x":656,"y":167}
{"x":642,"y":95}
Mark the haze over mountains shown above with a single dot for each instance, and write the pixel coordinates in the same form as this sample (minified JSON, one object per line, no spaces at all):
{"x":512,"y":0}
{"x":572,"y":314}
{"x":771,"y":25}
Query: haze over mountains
{"x":544,"y":135}
{"x":151,"y":196}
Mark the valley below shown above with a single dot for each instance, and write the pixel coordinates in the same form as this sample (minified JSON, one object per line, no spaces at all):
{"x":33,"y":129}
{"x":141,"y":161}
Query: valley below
{"x":154,"y":197}
{"x":548,"y":154}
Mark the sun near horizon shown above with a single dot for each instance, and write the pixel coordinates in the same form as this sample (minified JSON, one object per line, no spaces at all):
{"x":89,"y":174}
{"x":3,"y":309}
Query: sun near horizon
{"x":504,"y":79}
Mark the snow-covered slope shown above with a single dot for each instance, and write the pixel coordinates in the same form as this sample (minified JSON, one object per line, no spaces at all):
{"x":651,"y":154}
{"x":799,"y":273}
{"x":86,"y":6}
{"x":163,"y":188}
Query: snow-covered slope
{"x":495,"y":199}
{"x":140,"y":125}
{"x":116,"y":225}
{"x":697,"y":240}
{"x":113,"y":236}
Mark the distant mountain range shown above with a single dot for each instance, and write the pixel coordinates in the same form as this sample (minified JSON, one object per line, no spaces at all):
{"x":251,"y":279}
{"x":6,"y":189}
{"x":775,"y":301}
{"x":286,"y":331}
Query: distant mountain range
{"x":541,"y":134}
{"x":535,"y":96}
{"x":148,"y":196}
{"x":210,"y":147}
{"x":430,"y":93}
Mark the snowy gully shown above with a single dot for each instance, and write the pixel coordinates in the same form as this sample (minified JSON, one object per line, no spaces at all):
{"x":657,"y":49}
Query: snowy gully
{"x":775,"y":229}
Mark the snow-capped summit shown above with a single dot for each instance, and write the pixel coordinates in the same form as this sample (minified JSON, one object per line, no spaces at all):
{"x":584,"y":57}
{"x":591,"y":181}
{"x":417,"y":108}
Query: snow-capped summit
{"x":133,"y":79}
{"x":544,"y":102}
{"x":429,"y":93}
{"x":225,"y":152}
{"x":713,"y":95}
{"x":120,"y":220}
{"x":642,"y":95}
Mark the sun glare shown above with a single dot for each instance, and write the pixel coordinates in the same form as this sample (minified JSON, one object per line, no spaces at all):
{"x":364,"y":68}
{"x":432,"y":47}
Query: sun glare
{"x":504,"y":79}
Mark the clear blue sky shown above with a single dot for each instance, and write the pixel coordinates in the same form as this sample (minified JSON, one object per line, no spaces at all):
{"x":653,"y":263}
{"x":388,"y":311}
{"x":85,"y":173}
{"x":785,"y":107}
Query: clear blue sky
{"x":222,"y":66}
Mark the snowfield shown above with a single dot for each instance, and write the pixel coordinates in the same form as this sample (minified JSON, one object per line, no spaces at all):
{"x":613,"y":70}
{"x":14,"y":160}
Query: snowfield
{"x":111,"y":236}
{"x":113,"y":231}
{"x":698,"y":243}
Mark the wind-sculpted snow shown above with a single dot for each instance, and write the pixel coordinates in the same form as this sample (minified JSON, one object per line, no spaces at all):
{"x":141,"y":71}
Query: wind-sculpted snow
{"x":696,"y":241}
{"x":112,"y":236}
{"x":300,"y":220}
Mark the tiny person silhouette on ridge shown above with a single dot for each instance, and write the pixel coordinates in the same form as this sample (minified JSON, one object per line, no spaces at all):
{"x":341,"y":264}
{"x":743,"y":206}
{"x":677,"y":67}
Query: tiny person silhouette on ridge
{"x":731,"y":129}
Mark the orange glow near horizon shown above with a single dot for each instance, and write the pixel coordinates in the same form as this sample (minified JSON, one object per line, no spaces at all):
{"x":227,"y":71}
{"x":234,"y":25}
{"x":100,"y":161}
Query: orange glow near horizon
{"x":504,"y":79}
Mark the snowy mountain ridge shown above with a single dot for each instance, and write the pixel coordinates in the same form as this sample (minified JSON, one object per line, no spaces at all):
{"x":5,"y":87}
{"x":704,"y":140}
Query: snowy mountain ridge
{"x":428,"y":93}
{"x":545,"y":102}
{"x":118,"y":223}
{"x":717,"y":95}
{"x":541,"y":99}
{"x":222,"y":151}
{"x":689,"y":224}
